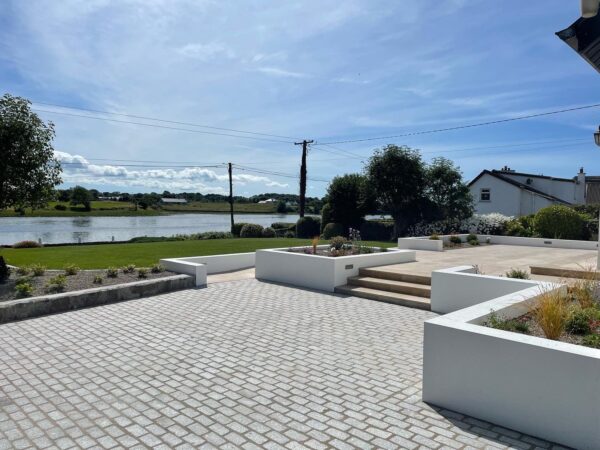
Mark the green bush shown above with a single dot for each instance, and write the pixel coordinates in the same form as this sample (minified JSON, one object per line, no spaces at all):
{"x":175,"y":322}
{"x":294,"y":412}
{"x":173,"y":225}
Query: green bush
{"x":157,"y":268}
{"x":377,"y":230}
{"x":500,"y":323}
{"x":559,"y":222}
{"x":472,"y":237}
{"x":4,"y":270}
{"x":27,"y":244}
{"x":268,"y":232}
{"x":332,"y":229}
{"x":518,"y":274}
{"x":283,"y":225}
{"x":338,"y":242}
{"x":71,"y":269}
{"x":454,"y":239}
{"x":592,"y":340}
{"x":23,"y":270}
{"x":516,"y":228}
{"x":251,"y":230}
{"x":434,"y":237}
{"x":24,"y":289}
{"x":56,"y":284}
{"x":289,"y":234}
{"x":579,"y":321}
{"x":60,"y":207}
{"x":325,"y":216}
{"x":112,"y":272}
{"x":38,"y":270}
{"x":98,"y":279}
{"x":237,"y":228}
{"x":308,"y":227}
{"x":129,"y":268}
{"x":142,"y":272}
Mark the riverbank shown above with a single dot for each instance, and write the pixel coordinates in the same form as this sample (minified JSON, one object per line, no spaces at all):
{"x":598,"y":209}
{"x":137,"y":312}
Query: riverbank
{"x":103,"y":256}
{"x":125,"y":209}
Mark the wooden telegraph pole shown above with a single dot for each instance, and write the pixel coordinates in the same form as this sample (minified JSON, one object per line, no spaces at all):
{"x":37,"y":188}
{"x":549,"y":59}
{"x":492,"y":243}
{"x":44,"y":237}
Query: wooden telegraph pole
{"x":229,"y":165}
{"x":304,"y":144}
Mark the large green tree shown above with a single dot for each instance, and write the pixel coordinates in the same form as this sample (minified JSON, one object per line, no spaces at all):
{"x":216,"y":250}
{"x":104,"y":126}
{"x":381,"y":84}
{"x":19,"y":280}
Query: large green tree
{"x":349,"y":199}
{"x":28,"y":169}
{"x":81,"y":196}
{"x":447,"y":193}
{"x":398,"y":176}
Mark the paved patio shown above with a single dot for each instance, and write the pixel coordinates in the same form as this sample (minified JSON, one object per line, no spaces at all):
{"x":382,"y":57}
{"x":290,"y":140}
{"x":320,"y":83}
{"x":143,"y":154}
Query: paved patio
{"x":240,"y":364}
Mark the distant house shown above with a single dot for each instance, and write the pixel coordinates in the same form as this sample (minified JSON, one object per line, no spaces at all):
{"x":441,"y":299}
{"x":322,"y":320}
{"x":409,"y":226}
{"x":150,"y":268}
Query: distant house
{"x":513,"y":193}
{"x":172,"y":201}
{"x":269,"y":200}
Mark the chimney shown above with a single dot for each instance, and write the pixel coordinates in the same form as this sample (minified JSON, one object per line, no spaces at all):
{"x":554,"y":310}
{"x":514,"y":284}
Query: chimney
{"x":580,"y":187}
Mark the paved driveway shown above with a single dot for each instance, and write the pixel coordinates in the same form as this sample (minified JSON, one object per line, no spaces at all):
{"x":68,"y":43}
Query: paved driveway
{"x":237,"y":365}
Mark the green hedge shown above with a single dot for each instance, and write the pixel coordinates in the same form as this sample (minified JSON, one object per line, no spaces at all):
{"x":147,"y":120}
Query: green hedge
{"x":308,"y":227}
{"x":237,"y":228}
{"x":560,"y":222}
{"x":333,"y":229}
{"x":377,"y":230}
{"x":251,"y":230}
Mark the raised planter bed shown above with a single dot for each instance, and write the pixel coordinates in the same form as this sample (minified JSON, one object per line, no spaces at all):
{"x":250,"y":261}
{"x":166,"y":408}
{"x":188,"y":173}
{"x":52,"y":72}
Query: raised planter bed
{"x":25,"y":308}
{"x":317,"y":271}
{"x":546,"y":388}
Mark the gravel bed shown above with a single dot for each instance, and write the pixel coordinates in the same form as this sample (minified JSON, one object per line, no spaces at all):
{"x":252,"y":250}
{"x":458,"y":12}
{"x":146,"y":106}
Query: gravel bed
{"x":84,"y":279}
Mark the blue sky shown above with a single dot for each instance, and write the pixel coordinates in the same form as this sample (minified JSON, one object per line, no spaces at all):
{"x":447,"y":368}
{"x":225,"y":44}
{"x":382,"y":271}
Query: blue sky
{"x":324,"y":70}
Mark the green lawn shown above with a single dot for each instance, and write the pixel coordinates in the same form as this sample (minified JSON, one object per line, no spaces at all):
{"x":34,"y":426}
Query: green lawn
{"x":118,"y":255}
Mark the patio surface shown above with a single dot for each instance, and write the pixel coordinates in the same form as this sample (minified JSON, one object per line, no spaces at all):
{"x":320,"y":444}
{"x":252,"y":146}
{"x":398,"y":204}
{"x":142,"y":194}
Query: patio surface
{"x":498,"y":259}
{"x":241,"y":364}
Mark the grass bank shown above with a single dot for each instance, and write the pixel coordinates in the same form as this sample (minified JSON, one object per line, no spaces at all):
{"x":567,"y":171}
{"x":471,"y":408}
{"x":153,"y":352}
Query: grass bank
{"x":142,"y":254}
{"x":112,"y":208}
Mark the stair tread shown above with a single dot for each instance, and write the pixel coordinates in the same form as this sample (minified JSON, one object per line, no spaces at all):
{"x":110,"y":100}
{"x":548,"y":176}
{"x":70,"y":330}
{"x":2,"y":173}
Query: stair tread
{"x":383,"y":274}
{"x":406,"y":299}
{"x":391,"y":282}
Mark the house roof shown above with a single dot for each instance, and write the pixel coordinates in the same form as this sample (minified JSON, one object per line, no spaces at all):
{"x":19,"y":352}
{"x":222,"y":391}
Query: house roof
{"x":583,"y":36}
{"x":497,"y":174}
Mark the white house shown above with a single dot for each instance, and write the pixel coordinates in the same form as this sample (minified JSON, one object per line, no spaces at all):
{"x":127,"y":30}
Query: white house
{"x":173,"y":201}
{"x":513,"y":193}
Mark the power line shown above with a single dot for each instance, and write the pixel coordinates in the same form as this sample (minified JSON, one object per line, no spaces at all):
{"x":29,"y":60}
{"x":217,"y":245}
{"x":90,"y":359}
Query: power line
{"x":278,"y":174}
{"x":168,"y":166}
{"x":461,"y":127}
{"x":133,"y":116}
{"x":162,"y":126}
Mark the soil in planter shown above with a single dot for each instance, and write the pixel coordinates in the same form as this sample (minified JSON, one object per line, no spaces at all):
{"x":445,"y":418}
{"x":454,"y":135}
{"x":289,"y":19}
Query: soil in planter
{"x":332,"y":253}
{"x":84,"y":279}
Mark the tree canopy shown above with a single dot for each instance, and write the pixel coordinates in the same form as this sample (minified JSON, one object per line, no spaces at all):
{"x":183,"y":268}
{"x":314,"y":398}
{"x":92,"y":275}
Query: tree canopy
{"x":28,"y":169}
{"x":349,"y":199}
{"x":81,"y":196}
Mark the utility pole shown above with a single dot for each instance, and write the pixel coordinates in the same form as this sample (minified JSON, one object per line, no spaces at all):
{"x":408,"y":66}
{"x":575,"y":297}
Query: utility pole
{"x":304,"y":144}
{"x":229,"y":165}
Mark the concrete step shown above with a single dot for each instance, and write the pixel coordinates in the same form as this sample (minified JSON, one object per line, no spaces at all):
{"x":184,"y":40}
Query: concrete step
{"x":400,"y":287}
{"x":375,"y":272}
{"x":412,"y":301}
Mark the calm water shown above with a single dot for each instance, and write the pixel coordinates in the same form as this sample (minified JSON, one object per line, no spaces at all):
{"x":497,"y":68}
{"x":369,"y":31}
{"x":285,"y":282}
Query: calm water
{"x":54,"y":230}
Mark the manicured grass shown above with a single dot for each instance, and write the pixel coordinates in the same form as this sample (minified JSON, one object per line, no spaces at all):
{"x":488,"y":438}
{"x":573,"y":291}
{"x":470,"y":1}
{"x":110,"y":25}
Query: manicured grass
{"x":118,"y":255}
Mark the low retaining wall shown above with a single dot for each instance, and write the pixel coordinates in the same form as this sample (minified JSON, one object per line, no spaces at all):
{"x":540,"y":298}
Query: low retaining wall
{"x":320,"y":272}
{"x":200,"y":266}
{"x":537,"y":386}
{"x":48,"y":304}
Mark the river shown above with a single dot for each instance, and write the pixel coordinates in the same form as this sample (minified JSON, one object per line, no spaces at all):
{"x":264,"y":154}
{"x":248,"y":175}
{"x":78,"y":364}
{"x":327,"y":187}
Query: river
{"x":55,"y":230}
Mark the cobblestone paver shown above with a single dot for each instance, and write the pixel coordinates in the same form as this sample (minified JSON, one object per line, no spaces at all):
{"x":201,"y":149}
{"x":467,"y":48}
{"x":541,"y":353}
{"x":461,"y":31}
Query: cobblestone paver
{"x":237,"y":365}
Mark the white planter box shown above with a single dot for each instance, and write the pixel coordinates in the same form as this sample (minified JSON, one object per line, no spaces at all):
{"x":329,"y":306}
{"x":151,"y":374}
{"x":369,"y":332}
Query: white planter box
{"x":537,"y":386}
{"x":320,"y":272}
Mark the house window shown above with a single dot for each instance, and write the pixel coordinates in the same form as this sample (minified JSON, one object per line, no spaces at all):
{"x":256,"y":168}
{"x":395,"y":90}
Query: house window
{"x":485,"y":195}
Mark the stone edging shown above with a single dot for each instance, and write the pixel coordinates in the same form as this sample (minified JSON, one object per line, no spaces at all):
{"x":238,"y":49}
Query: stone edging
{"x":48,"y":304}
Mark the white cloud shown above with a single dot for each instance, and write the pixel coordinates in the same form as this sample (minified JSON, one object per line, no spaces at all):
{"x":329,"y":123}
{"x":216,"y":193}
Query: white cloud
{"x":277,"y":72}
{"x":206,"y":52}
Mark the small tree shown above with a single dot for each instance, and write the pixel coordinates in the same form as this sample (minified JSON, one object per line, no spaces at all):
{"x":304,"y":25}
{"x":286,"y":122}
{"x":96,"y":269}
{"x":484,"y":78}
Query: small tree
{"x":349,"y":200}
{"x":448,"y":195}
{"x":398,"y":176}
{"x":81,"y":196}
{"x":282,"y":207}
{"x":28,"y":169}
{"x":4,"y":270}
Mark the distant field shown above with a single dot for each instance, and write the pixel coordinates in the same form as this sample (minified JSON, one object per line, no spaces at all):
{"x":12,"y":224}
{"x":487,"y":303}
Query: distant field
{"x":112,"y":208}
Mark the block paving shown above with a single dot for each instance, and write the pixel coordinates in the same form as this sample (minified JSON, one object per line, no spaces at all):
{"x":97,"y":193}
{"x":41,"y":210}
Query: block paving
{"x":242,"y":364}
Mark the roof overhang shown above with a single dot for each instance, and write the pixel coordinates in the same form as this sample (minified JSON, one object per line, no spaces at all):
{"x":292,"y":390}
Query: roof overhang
{"x":583,"y":36}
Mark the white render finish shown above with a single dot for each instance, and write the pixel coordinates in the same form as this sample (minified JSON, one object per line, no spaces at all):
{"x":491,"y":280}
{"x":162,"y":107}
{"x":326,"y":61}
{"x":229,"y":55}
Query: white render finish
{"x":546,"y":388}
{"x":504,"y":197}
{"x":189,"y":268}
{"x":421,"y":243}
{"x":320,"y":272}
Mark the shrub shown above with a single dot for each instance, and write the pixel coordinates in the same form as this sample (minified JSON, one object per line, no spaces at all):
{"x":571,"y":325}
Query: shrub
{"x":551,"y":312}
{"x":142,"y":272}
{"x":112,"y":272}
{"x":71,"y":269}
{"x":517,"y":273}
{"x":268,"y":232}
{"x":289,"y":234}
{"x":237,"y":228}
{"x":454,"y":239}
{"x":56,"y":284}
{"x":98,"y":279}
{"x":584,"y":290}
{"x":325,"y":216}
{"x":365,"y":249}
{"x":308,"y":227}
{"x":434,"y":237}
{"x":251,"y":230}
{"x":38,"y":270}
{"x":592,"y":340}
{"x":27,"y":244}
{"x":157,"y":268}
{"x":559,"y":222}
{"x":377,"y":230}
{"x":129,"y":268}
{"x":332,"y":229}
{"x":338,"y":242}
{"x":283,"y":225}
{"x":4,"y":270}
{"x":579,"y":321}
{"x":23,"y":270}
{"x":24,"y":289}
{"x":500,"y":323}
{"x":472,"y":237}
{"x":493,"y":223}
{"x":60,"y":207}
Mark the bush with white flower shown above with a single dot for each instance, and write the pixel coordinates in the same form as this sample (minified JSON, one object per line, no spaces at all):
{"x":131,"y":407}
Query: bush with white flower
{"x":493,"y":223}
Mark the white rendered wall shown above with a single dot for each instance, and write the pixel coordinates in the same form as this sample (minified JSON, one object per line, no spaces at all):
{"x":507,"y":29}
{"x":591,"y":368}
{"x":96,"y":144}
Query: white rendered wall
{"x":421,"y":244}
{"x":189,"y":268}
{"x":320,"y":272}
{"x":223,"y":263}
{"x":505,"y":198}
